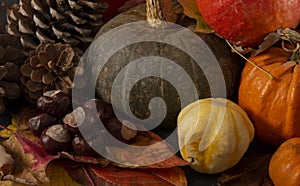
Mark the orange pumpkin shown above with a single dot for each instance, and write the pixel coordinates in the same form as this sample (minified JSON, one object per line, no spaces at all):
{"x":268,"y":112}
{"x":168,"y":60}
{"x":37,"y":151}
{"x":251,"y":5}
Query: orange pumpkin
{"x":272,"y":104}
{"x":284,"y":166}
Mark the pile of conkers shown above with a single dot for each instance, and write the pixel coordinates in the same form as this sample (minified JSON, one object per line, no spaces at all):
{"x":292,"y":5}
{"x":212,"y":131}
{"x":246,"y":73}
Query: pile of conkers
{"x":59,"y":127}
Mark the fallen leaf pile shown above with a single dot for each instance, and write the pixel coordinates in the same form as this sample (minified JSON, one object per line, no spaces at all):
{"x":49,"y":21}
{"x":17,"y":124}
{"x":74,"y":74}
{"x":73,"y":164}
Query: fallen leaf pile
{"x":34,"y":165}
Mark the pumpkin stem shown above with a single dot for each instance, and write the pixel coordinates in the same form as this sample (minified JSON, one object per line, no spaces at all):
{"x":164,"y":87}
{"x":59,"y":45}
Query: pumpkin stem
{"x":159,"y":12}
{"x":293,"y":38}
{"x":260,"y":68}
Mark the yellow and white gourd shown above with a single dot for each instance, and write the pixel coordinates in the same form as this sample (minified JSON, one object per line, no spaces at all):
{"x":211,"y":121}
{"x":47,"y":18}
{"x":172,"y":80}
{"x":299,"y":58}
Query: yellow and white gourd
{"x":214,"y":134}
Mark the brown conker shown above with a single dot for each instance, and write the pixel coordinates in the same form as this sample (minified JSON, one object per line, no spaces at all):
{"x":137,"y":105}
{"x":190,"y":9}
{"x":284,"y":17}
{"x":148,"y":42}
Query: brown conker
{"x":38,"y":123}
{"x":104,"y":110}
{"x":74,"y":119}
{"x":81,"y":147}
{"x":55,"y":103}
{"x":120,"y":130}
{"x":55,"y":139}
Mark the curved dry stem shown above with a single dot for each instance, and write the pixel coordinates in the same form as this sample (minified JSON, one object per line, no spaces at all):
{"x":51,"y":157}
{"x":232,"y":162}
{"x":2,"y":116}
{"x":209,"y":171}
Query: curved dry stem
{"x":252,"y":63}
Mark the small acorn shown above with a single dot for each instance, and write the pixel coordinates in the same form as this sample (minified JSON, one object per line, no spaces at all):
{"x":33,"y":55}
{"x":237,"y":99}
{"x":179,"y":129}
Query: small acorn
{"x":55,"y":103}
{"x":38,"y":123}
{"x":55,"y":139}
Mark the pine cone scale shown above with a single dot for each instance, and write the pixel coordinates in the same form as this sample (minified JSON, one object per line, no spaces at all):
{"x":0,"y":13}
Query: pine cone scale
{"x":25,"y":8}
{"x":37,"y":75}
{"x":25,"y":26}
{"x":49,"y":78}
{"x":38,"y":20}
{"x":52,"y":67}
{"x":11,"y":56}
{"x":12,"y":90}
{"x":56,"y":21}
{"x":38,"y":5}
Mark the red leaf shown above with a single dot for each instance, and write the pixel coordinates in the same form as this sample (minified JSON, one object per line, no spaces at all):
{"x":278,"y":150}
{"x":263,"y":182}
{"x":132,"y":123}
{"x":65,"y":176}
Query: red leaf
{"x":132,"y":177}
{"x":147,"y":151}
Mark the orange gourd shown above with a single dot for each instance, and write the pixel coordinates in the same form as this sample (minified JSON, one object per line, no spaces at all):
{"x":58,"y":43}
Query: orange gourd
{"x":284,"y":166}
{"x":272,"y":104}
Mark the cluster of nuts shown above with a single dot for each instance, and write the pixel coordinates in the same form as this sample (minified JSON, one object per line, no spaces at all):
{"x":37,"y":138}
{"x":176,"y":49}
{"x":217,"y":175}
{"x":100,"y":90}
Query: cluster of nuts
{"x":59,"y":128}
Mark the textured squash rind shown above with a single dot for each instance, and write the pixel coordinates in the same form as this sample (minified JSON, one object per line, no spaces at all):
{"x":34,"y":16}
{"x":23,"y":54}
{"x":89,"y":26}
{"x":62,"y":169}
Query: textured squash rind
{"x":231,"y":66}
{"x":229,"y":145}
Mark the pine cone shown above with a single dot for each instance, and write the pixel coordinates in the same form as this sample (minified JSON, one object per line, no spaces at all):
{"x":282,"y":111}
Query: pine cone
{"x":51,"y":67}
{"x":12,"y":56}
{"x":74,"y":22}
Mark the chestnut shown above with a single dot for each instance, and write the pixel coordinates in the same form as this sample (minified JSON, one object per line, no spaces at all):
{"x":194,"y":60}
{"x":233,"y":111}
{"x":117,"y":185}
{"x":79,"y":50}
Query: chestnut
{"x":104,"y":110}
{"x":55,"y":103}
{"x":83,"y":118}
{"x":120,"y":130}
{"x":38,"y":123}
{"x":55,"y":139}
{"x":81,"y":147}
{"x":74,"y":119}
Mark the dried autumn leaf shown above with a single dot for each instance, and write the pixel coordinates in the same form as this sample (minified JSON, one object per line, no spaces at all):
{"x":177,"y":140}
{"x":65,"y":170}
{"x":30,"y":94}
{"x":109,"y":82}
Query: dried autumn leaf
{"x":127,"y":177}
{"x":190,"y":9}
{"x":250,"y":171}
{"x":147,"y":151}
{"x":6,"y":133}
{"x":31,"y":159}
{"x":269,"y":41}
{"x":95,"y":175}
{"x":57,"y":174}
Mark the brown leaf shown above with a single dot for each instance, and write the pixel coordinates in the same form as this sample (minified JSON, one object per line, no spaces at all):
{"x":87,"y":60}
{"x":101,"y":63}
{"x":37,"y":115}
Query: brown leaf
{"x":269,"y":41}
{"x":152,"y":152}
{"x":191,"y":10}
{"x":250,"y":171}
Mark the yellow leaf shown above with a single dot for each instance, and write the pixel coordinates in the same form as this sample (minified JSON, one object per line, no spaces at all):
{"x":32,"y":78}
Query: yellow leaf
{"x":191,"y":10}
{"x":6,"y":133}
{"x":59,"y":176}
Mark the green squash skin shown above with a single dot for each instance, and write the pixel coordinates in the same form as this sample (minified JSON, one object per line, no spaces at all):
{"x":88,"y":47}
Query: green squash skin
{"x":151,"y":87}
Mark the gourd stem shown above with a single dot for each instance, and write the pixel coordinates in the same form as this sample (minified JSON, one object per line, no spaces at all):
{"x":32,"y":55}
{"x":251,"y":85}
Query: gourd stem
{"x":159,"y":12}
{"x":263,"y":70}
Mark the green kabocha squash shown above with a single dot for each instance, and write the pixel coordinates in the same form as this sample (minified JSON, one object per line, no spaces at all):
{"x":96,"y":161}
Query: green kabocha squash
{"x":144,"y":90}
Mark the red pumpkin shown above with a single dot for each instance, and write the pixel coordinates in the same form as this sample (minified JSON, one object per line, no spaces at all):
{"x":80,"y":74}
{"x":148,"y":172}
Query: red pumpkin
{"x":246,"y":22}
{"x":284,"y":166}
{"x":272,"y":104}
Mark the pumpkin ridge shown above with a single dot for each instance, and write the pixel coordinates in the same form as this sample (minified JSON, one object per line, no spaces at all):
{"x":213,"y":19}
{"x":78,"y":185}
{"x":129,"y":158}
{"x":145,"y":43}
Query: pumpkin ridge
{"x":292,"y":99}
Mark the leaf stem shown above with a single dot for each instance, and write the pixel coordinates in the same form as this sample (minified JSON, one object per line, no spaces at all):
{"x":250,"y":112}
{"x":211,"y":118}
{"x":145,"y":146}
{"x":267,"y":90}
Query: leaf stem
{"x":5,"y":128}
{"x":252,"y":63}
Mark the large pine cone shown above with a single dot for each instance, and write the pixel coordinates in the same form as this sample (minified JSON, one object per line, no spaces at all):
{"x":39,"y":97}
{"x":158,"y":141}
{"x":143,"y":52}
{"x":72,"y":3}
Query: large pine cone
{"x":72,"y":22}
{"x":11,"y":56}
{"x":51,"y":67}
